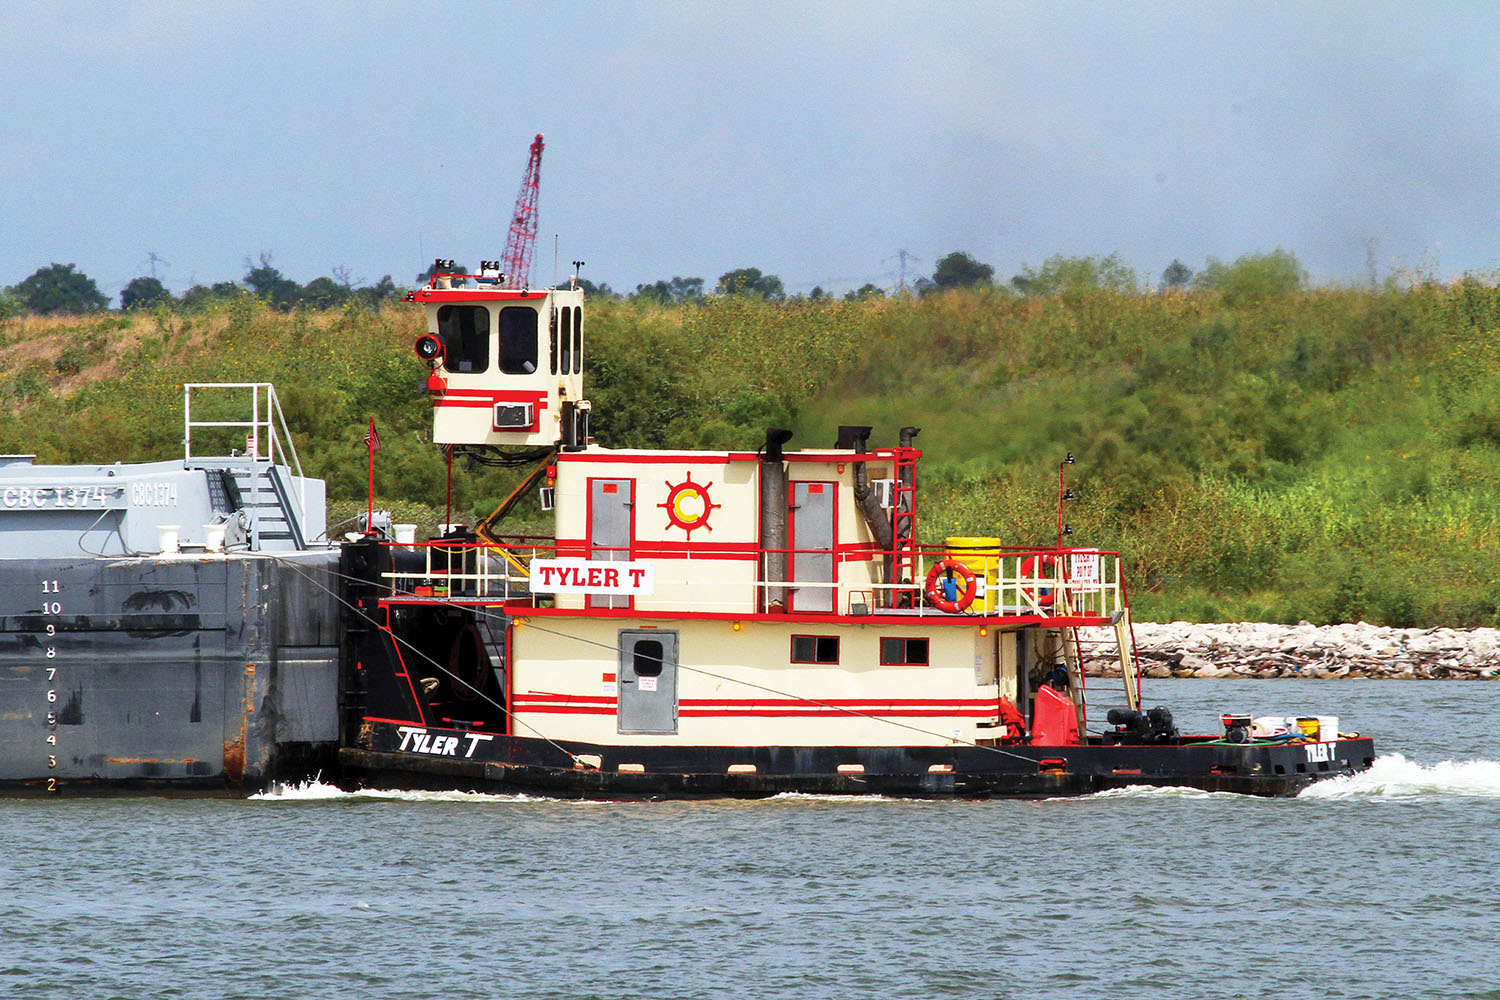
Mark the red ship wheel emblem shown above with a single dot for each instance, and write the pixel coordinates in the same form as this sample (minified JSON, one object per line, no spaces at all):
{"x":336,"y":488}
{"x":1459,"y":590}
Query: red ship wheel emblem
{"x":688,"y":505}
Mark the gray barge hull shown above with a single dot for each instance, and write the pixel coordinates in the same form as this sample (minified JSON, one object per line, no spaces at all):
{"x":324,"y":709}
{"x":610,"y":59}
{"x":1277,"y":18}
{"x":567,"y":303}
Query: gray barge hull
{"x":193,"y":672}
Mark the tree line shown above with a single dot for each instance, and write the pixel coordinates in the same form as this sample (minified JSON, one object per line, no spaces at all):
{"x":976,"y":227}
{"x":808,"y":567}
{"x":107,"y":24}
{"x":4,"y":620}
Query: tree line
{"x":62,"y":288}
{"x":1251,"y":274}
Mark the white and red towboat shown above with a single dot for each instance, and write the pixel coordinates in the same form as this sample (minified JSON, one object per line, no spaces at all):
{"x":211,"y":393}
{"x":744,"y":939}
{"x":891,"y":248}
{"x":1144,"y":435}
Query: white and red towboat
{"x":736,"y":623}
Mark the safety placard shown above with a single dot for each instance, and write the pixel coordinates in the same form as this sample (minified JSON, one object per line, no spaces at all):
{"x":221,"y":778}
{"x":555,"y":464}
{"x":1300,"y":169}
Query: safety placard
{"x":1083,"y":570}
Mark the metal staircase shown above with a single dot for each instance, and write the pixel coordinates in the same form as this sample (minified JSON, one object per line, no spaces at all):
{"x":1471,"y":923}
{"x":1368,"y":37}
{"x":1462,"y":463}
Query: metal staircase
{"x":258,"y":480}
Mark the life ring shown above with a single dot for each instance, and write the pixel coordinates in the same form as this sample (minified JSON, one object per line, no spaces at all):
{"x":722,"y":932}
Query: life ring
{"x":939,"y":599}
{"x":1036,"y":567}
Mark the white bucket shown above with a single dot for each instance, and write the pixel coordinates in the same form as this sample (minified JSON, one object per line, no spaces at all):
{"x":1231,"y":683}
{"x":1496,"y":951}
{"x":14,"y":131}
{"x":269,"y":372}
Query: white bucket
{"x":213,"y":537}
{"x":1328,"y":728}
{"x":167,"y":536}
{"x":406,"y":534}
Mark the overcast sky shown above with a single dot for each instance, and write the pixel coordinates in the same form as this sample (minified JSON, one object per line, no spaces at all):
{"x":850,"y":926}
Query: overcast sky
{"x":812,"y":140}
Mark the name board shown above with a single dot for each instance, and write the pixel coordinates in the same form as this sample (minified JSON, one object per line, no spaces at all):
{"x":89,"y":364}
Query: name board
{"x":588,"y":576}
{"x":65,"y":497}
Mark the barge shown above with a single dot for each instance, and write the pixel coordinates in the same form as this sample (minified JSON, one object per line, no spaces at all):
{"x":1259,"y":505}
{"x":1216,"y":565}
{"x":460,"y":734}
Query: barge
{"x":169,"y":626}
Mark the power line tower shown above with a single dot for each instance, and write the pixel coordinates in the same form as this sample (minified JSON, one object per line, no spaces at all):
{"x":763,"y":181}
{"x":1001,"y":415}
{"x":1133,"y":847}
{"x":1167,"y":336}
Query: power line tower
{"x":522,"y":239}
{"x":904,"y":257}
{"x":154,"y":258}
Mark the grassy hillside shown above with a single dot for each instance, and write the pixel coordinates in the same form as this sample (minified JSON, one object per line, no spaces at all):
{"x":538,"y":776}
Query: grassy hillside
{"x":1328,"y":455}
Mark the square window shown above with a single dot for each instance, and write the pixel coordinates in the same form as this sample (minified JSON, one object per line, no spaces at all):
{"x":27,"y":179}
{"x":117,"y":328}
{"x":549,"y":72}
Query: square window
{"x":898,"y":652}
{"x":815,"y":649}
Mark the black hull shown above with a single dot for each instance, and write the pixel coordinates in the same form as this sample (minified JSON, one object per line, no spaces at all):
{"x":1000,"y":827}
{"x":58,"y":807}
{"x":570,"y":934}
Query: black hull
{"x":532,"y":766}
{"x":204,"y":676}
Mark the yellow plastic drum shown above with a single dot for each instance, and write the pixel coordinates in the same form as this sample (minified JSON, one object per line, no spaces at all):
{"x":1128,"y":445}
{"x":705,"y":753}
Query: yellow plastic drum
{"x":982,"y":556}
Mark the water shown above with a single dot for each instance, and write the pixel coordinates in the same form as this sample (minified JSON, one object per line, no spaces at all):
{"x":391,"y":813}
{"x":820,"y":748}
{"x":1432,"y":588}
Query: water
{"x":1378,"y":886}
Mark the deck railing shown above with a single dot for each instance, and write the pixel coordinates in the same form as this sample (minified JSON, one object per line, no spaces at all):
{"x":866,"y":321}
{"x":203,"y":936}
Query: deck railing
{"x":1009,"y":582}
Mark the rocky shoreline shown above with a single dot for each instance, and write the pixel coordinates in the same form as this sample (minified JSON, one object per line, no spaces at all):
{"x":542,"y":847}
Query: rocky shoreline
{"x":1356,"y":652}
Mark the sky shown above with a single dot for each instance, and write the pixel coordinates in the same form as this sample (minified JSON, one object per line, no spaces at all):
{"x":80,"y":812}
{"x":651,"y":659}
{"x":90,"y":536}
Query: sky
{"x":824,"y":142}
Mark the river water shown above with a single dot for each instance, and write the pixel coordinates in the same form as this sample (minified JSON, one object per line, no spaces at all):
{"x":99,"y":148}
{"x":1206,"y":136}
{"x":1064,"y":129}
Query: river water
{"x":1379,"y":886}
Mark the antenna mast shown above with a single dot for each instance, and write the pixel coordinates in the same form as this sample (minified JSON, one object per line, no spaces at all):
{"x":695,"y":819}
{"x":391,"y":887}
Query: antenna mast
{"x":522,"y":239}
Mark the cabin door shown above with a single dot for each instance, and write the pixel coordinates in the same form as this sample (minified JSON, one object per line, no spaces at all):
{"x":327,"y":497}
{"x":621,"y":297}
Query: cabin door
{"x":611,"y":526}
{"x":811,"y":540}
{"x":648,"y":681}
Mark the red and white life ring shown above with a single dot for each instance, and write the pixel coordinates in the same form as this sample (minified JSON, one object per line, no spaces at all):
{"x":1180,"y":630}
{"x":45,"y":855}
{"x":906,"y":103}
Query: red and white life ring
{"x":1037,"y":567}
{"x":936,"y":595}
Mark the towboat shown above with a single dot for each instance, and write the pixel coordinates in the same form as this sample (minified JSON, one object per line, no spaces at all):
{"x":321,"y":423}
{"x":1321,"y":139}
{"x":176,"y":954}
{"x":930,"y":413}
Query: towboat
{"x":736,"y":623}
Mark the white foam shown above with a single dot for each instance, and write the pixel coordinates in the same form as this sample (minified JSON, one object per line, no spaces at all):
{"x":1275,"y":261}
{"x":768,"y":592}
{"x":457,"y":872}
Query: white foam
{"x":306,"y":791}
{"x":1395,"y":777}
{"x":1161,"y":791}
{"x":321,"y":791}
{"x":822,"y":797}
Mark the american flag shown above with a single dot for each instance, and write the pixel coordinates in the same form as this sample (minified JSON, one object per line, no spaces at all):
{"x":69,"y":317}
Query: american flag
{"x":372,"y":440}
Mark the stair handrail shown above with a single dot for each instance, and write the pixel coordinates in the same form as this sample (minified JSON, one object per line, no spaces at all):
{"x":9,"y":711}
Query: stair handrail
{"x":280,"y":445}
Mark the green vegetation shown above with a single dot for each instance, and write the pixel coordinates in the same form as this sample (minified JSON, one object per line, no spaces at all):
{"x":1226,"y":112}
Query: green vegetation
{"x":1256,"y":449}
{"x":60,"y":288}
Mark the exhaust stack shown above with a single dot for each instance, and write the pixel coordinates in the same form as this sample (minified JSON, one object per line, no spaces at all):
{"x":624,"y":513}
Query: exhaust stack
{"x":773,"y":508}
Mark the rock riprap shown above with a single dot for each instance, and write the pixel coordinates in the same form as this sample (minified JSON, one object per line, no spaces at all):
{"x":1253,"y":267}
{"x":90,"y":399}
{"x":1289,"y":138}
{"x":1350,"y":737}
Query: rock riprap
{"x":1253,"y":649}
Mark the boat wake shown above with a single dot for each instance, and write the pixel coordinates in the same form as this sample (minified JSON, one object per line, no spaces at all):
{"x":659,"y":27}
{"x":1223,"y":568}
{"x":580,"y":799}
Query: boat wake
{"x":322,"y":791}
{"x":1395,"y":777}
{"x":1157,"y":792}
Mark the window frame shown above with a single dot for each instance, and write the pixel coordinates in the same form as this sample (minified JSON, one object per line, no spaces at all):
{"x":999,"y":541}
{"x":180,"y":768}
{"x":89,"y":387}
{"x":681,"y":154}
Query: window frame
{"x":456,"y":340}
{"x":658,"y":661}
{"x":817,"y":640}
{"x":906,"y":655}
{"x":577,"y":340}
{"x":508,"y":361}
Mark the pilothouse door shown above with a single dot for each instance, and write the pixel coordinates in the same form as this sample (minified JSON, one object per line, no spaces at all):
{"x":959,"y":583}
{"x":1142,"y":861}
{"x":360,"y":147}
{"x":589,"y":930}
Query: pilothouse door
{"x":648,"y":681}
{"x":611,"y":504}
{"x":812,"y":520}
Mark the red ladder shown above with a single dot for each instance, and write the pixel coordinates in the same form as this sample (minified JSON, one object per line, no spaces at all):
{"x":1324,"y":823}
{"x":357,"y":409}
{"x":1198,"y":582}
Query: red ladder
{"x":904,"y":525}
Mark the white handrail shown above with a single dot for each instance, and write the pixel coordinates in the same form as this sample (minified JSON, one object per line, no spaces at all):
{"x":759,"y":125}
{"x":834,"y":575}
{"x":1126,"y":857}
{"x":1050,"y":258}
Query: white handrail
{"x":260,"y":428}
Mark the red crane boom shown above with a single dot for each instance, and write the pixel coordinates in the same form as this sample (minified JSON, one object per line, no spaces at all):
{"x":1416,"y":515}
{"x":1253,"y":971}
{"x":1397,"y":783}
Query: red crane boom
{"x":518,"y":245}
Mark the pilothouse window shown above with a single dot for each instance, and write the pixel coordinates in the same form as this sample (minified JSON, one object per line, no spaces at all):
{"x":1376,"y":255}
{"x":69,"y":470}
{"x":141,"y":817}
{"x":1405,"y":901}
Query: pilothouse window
{"x":553,"y":328}
{"x":517,"y":340}
{"x":465,"y":333}
{"x":577,"y":340}
{"x":567,"y":340}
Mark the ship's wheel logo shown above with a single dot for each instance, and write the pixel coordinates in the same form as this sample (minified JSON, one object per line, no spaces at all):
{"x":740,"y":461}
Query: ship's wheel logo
{"x":688,"y":505}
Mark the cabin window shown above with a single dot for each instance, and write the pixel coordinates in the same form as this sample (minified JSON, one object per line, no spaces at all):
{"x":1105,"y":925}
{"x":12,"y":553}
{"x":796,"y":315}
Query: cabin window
{"x":517,"y":340}
{"x":646,"y":660}
{"x":577,"y":339}
{"x":567,"y":340}
{"x":815,"y":649}
{"x":903,"y":652}
{"x":553,"y":353}
{"x":465,"y":333}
